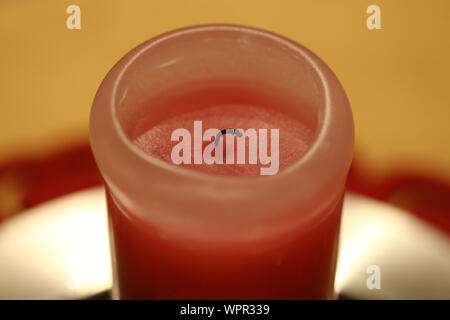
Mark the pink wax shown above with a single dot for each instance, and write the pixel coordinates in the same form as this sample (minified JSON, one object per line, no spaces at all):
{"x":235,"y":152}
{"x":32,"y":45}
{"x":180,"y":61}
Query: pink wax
{"x":150,"y":264}
{"x":185,"y":227}
{"x":221,"y":106}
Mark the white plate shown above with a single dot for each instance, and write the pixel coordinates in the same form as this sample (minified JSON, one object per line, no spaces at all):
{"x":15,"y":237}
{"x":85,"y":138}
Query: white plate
{"x":60,"y":250}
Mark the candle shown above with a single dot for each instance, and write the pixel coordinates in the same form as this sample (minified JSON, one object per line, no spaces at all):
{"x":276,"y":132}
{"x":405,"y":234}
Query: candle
{"x":224,"y":151}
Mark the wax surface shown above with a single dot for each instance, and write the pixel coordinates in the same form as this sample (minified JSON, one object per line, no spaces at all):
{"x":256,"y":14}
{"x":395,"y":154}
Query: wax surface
{"x":244,"y":112}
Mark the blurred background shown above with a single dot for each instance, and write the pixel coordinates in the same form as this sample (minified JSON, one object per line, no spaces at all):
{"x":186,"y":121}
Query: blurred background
{"x":397,"y":80}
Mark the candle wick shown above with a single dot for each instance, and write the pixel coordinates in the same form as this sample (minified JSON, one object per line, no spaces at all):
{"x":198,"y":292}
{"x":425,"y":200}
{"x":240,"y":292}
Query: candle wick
{"x":225,"y":131}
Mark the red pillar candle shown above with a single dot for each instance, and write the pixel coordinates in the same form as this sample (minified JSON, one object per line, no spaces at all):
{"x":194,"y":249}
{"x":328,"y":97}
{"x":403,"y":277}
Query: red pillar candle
{"x":252,"y":215}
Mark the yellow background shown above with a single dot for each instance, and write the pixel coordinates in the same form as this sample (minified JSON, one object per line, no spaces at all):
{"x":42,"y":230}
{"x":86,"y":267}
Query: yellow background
{"x":397,"y":78}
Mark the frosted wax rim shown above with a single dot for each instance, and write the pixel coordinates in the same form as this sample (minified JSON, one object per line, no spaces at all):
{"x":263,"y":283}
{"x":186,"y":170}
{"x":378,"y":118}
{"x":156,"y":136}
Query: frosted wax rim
{"x":193,"y":200}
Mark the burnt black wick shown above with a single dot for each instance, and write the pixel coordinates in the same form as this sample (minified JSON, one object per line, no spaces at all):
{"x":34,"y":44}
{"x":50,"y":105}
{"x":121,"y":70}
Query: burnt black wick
{"x":225,"y":131}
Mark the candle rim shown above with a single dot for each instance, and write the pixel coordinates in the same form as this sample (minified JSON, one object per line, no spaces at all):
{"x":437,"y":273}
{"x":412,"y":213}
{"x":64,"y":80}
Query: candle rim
{"x":205,"y":176}
{"x":239,"y":189}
